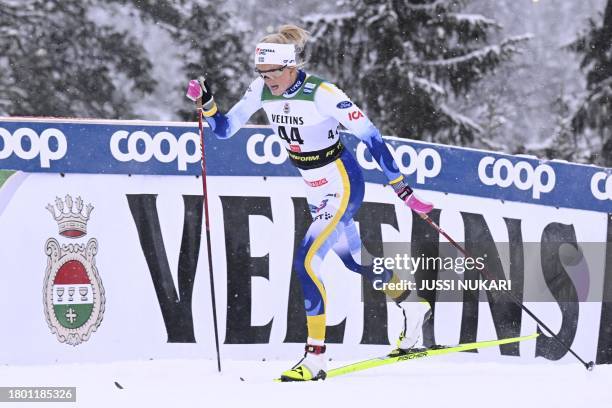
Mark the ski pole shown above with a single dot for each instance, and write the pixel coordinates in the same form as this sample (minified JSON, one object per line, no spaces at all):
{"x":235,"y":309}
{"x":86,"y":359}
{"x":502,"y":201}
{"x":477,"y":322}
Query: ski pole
{"x":207,"y":223}
{"x":589,"y":366}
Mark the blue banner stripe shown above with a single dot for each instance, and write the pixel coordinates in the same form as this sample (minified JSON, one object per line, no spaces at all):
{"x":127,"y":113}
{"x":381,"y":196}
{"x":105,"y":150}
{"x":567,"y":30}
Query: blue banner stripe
{"x":171,"y":149}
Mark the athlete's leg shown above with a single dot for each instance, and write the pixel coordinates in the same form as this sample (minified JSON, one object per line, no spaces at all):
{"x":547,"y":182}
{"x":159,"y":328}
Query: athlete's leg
{"x":348,"y":247}
{"x":340,"y":193}
{"x":348,"y":244}
{"x":415,"y":313}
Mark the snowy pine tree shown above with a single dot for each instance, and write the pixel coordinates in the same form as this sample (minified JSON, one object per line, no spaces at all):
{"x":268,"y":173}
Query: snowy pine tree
{"x":56,"y":61}
{"x":217,"y":48}
{"x":593,"y":117}
{"x":401,"y":60}
{"x":207,"y":40}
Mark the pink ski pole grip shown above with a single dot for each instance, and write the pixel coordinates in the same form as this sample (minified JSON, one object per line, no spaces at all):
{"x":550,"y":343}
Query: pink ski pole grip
{"x":194,"y":91}
{"x":418,"y":205}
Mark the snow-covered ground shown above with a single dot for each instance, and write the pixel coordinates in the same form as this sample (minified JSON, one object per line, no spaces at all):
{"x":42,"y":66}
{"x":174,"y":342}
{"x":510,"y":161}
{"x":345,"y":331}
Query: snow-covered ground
{"x":450,"y":382}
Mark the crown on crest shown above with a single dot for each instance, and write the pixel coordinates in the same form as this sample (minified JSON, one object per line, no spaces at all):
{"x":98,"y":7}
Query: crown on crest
{"x":72,"y":223}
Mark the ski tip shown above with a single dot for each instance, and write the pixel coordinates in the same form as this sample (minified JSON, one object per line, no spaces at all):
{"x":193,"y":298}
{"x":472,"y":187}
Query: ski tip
{"x":118,"y":385}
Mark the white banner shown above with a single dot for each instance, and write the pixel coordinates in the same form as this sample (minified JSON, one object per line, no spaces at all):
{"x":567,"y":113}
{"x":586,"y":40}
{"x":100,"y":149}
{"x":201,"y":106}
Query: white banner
{"x":141,"y":280}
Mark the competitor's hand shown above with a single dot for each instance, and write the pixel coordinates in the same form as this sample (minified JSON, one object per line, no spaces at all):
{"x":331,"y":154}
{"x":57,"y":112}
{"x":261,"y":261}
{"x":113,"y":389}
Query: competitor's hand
{"x":405,"y":193}
{"x":199,"y":88}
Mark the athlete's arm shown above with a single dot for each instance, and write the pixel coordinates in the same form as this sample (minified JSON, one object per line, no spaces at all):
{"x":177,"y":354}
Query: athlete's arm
{"x":333,"y":102}
{"x":225,"y":126}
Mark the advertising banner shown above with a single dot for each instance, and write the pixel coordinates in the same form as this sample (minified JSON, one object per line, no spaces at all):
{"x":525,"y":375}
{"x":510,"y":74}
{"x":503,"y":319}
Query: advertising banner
{"x":130,"y":147}
{"x":102,"y":255}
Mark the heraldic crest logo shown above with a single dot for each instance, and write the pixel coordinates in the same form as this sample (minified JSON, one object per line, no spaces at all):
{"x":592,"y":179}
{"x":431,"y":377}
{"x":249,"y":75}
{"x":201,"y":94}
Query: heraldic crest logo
{"x":73,"y":295}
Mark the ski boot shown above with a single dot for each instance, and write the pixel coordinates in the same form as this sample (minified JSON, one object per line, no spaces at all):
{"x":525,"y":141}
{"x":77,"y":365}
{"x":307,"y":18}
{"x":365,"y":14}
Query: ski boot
{"x":416,"y":314}
{"x":310,"y":368}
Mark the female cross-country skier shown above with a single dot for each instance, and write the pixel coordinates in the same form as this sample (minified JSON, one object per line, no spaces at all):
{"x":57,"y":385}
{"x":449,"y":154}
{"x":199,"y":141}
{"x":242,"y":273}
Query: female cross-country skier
{"x":305,"y":112}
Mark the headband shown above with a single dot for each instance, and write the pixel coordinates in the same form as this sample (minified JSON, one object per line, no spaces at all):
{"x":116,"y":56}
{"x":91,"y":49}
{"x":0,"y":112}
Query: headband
{"x":275,"y":54}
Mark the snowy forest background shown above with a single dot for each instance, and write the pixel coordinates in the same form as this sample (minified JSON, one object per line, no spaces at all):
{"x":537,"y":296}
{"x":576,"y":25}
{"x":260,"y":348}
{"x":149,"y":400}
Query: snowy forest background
{"x":520,"y":76}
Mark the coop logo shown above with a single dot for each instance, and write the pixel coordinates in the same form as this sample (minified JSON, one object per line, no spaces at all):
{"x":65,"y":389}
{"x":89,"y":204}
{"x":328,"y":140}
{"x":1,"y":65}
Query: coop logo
{"x":139,"y":146}
{"x":426,"y":163}
{"x":601,"y":185}
{"x":523,"y":175}
{"x":39,"y":146}
{"x":262,"y":149}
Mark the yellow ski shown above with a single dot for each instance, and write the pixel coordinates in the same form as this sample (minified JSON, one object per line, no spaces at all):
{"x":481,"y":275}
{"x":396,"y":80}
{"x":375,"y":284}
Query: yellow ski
{"x":419,"y":353}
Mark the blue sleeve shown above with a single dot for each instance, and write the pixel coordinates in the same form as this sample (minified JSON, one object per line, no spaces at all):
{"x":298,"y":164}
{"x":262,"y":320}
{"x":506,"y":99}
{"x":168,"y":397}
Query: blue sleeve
{"x":333,"y":102}
{"x":379,"y":151}
{"x":224,"y":125}
{"x":219,"y":124}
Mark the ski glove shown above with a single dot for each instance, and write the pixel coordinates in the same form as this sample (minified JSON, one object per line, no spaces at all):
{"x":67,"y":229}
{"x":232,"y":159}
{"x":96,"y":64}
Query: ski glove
{"x":405,"y":193}
{"x":199,"y":88}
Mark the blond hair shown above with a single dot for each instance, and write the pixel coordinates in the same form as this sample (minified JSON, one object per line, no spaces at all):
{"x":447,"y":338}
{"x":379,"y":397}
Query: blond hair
{"x":290,"y":34}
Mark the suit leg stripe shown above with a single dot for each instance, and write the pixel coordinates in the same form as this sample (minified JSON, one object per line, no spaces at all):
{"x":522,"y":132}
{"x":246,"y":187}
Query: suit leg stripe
{"x":316,"y":245}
